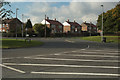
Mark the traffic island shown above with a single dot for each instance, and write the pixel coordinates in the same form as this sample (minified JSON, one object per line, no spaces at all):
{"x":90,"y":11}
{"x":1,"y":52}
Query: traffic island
{"x":18,"y":43}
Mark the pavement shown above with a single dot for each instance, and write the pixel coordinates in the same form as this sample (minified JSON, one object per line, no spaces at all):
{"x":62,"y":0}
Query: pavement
{"x":62,"y":58}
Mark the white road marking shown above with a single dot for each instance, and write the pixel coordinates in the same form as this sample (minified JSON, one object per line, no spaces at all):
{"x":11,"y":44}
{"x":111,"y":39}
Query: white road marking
{"x":94,"y":53}
{"x":71,"y":73}
{"x":74,"y":51}
{"x":17,"y":70}
{"x":58,"y":65}
{"x":56,"y":54}
{"x":88,"y":55}
{"x":100,"y":53}
{"x":83,"y":49}
{"x":70,"y":41}
{"x":61,"y":59}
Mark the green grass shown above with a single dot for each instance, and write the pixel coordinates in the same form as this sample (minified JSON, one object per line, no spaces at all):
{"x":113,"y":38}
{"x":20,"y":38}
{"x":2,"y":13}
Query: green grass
{"x":109,"y":39}
{"x":13,"y":43}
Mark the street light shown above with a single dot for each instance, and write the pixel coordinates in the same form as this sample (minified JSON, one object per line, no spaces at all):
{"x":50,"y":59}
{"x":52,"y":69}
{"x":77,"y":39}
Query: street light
{"x":16,"y":21}
{"x":16,"y":11}
{"x":22,"y":24}
{"x":45,"y":25}
{"x":102,"y":24}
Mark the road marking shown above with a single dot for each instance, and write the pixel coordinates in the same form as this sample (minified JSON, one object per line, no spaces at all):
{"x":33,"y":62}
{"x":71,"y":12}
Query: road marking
{"x":65,"y":52}
{"x":95,"y":53}
{"x":87,"y":55}
{"x":70,"y":41}
{"x":74,"y":51}
{"x":57,"y":65}
{"x":61,"y":59}
{"x":100,"y":53}
{"x":69,"y":73}
{"x":17,"y":70}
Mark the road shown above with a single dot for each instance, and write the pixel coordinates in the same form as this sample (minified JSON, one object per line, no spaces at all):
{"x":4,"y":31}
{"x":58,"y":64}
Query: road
{"x":62,"y":58}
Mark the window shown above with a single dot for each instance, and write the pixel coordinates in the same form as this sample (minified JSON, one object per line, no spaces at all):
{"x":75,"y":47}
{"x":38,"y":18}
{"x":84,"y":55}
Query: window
{"x":0,"y":25}
{"x":3,"y":30}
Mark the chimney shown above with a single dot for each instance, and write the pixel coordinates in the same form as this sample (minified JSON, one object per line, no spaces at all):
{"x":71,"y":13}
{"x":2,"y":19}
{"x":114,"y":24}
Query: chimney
{"x":55,"y":19}
{"x":68,"y":20}
{"x":74,"y":20}
{"x":47,"y":17}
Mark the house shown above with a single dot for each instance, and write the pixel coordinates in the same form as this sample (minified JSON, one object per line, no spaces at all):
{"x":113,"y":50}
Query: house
{"x":72,"y":27}
{"x":10,"y":25}
{"x":54,"y":25}
{"x":89,"y":27}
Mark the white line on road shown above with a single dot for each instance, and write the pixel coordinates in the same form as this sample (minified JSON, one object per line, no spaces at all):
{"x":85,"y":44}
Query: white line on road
{"x":17,"y":70}
{"x":71,"y":73}
{"x":88,"y":55}
{"x":70,"y":41}
{"x":61,"y":59}
{"x":103,"y":53}
{"x":58,"y":65}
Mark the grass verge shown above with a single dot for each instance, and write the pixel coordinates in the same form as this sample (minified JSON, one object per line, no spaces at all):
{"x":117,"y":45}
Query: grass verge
{"x":109,"y":39}
{"x":13,"y":43}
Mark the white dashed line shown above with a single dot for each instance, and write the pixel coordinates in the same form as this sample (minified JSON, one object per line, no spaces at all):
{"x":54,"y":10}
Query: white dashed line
{"x":17,"y":70}
{"x":70,"y":41}
{"x":71,"y":73}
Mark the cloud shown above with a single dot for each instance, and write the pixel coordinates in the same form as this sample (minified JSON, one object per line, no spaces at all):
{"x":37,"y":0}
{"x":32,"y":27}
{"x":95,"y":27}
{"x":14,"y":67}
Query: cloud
{"x":79,"y":11}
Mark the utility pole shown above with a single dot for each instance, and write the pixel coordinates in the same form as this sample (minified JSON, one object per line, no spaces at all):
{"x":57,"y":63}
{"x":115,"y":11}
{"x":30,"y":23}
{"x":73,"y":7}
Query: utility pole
{"x":90,"y":27}
{"x":16,"y":22}
{"x":45,"y":25}
{"x":22,"y":25}
{"x":102,"y":24}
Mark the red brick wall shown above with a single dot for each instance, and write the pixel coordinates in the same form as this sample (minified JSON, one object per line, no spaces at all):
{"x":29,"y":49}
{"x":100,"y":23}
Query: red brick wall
{"x":66,"y":29}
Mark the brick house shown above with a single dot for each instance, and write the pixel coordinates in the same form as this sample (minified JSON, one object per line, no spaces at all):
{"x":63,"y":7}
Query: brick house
{"x":9,"y":25}
{"x":72,"y":27}
{"x":89,"y":27}
{"x":54,"y":25}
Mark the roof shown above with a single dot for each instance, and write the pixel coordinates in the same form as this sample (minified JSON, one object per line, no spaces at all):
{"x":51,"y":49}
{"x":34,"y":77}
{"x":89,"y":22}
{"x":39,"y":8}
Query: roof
{"x":10,"y":20}
{"x":73,"y":23}
{"x":88,"y":24}
{"x":55,"y":22}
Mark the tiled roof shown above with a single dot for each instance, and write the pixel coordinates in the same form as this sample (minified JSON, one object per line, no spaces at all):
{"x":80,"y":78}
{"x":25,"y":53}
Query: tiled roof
{"x":90,"y":24}
{"x":73,"y":23}
{"x":55,"y":22}
{"x":10,"y":20}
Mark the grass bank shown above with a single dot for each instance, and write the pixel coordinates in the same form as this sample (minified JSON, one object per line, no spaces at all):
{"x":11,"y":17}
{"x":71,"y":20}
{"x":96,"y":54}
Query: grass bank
{"x":13,"y":43}
{"x":109,"y":39}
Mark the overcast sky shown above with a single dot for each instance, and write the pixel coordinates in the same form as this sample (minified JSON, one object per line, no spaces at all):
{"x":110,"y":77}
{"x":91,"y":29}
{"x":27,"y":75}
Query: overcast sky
{"x":79,"y":11}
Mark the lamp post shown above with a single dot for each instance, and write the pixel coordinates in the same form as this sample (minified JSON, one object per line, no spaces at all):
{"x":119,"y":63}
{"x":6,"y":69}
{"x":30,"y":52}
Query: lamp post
{"x":45,"y":25}
{"x":16,"y":22}
{"x":90,"y":28}
{"x":22,"y":25}
{"x":102,"y":24}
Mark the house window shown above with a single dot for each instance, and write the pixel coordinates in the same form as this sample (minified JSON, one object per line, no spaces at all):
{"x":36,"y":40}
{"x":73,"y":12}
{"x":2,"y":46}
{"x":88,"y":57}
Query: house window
{"x":94,"y":27}
{"x":3,"y":30}
{"x":0,"y":25}
{"x":3,"y":25}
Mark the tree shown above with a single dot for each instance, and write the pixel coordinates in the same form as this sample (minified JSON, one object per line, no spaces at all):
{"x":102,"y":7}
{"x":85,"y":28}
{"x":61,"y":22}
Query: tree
{"x":28,"y":24}
{"x":4,"y":12}
{"x":40,"y":30}
{"x":111,"y":20}
{"x":29,"y":28}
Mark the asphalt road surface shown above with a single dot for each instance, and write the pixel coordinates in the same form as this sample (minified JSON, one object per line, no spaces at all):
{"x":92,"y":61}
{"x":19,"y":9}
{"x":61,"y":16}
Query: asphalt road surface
{"x":62,"y":58}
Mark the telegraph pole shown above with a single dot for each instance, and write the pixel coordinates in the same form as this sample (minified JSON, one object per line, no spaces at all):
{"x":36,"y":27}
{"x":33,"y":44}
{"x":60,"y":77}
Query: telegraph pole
{"x":45,"y":25}
{"x":102,"y":24}
{"x":16,"y":22}
{"x":22,"y":25}
{"x":90,"y":27}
